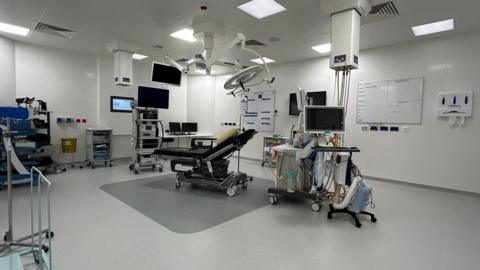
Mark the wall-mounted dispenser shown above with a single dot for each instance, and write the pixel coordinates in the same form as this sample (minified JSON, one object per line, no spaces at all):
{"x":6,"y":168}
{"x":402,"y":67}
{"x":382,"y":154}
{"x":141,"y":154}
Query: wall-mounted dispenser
{"x":455,"y":105}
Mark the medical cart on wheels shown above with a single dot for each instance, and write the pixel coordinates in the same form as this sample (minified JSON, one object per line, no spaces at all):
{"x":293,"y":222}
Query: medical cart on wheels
{"x":294,"y":178}
{"x":147,"y":137}
{"x":99,"y":147}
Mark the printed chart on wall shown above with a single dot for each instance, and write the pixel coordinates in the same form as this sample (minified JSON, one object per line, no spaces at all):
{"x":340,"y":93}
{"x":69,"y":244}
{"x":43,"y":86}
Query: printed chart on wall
{"x":390,"y":102}
{"x":259,"y":111}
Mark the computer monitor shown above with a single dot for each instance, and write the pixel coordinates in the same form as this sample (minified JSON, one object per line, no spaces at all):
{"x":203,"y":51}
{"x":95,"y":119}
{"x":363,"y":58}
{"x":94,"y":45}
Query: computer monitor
{"x":189,"y":127}
{"x":317,"y":98}
{"x":174,"y":127}
{"x":121,"y":104}
{"x":320,"y":119}
{"x":166,"y":74}
{"x":149,"y":97}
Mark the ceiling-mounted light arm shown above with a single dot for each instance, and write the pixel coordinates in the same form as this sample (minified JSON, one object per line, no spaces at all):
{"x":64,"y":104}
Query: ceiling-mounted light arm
{"x":268,"y":78}
{"x":176,"y":64}
{"x":239,"y":38}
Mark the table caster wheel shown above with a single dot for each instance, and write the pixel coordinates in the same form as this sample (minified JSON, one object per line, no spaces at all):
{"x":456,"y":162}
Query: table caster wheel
{"x":245,"y":185}
{"x":45,"y":248}
{"x":329,"y":216}
{"x":130,"y":167}
{"x":358,"y":225}
{"x":315,"y":206}
{"x":231,"y":191}
{"x":49,"y":235}
{"x":273,"y":200}
{"x":136,"y":171}
{"x":374,"y":219}
{"x":177,"y":184}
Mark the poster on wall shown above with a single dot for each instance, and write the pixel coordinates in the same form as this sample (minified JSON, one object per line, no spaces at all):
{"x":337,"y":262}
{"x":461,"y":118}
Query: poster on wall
{"x":390,"y":102}
{"x":259,"y":111}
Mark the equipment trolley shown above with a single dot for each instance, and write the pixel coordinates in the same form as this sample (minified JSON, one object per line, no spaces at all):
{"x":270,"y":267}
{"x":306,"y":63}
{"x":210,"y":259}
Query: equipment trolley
{"x":147,"y":137}
{"x":99,"y":146}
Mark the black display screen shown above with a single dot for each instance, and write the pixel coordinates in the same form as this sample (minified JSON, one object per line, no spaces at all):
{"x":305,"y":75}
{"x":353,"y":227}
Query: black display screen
{"x":174,"y":127}
{"x":324,"y":119}
{"x":149,"y":97}
{"x":166,"y":74}
{"x":189,"y":127}
{"x":293,"y":110}
{"x":317,"y":98}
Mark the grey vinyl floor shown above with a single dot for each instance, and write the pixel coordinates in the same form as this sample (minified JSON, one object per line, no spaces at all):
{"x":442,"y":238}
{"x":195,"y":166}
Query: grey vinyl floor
{"x":418,"y":228}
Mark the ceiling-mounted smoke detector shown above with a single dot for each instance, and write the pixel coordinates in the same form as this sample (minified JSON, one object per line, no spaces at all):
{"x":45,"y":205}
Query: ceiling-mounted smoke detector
{"x":381,"y":12}
{"x":54,"y":30}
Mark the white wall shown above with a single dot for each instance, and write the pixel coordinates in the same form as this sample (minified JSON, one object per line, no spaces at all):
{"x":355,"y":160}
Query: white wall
{"x":7,"y":71}
{"x":66,"y":81}
{"x":431,"y":153}
{"x":200,"y":102}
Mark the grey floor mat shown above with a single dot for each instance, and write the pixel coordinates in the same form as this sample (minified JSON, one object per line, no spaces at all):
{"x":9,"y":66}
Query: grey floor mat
{"x":188,"y":209}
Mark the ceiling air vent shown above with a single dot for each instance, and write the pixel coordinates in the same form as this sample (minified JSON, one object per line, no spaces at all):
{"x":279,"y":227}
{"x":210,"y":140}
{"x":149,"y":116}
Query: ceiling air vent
{"x":54,"y":30}
{"x":381,"y":12}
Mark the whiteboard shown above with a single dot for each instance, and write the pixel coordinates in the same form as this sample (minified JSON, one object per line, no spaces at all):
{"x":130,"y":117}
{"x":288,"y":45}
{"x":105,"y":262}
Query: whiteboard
{"x":390,"y":102}
{"x":259,"y":112}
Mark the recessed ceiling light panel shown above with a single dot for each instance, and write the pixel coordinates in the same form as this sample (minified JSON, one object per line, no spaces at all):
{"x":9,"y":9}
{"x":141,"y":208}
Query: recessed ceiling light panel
{"x":324,"y":48}
{"x":138,"y":56}
{"x":184,"y":34}
{"x":260,"y":62}
{"x":432,"y":28}
{"x":262,"y":8}
{"x":14,"y":29}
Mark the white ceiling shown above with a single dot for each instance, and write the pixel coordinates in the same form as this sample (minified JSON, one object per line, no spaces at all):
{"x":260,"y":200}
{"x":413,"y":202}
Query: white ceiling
{"x":149,"y":22}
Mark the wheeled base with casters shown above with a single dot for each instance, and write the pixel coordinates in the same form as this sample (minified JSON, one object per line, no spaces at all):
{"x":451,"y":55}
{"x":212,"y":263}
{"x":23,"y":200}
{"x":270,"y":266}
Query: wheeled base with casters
{"x":91,"y":164}
{"x":228,"y":184}
{"x":315,"y":206}
{"x":138,"y":167}
{"x":352,"y":214}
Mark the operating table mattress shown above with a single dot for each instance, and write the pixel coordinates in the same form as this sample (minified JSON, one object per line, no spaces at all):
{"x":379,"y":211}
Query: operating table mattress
{"x":181,"y":152}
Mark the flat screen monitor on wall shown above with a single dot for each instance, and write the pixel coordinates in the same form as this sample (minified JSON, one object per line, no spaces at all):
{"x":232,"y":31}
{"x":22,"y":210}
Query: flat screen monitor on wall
{"x":166,"y":74}
{"x":317,"y":98}
{"x":149,"y":97}
{"x":293,"y":108}
{"x":121,"y":104}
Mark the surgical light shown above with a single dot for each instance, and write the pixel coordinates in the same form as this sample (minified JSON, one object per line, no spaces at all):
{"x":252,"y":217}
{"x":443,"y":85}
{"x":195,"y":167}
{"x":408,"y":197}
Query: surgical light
{"x":432,"y":28}
{"x":260,"y":62}
{"x":13,"y":29}
{"x":324,"y":48}
{"x":184,"y":34}
{"x":262,"y":8}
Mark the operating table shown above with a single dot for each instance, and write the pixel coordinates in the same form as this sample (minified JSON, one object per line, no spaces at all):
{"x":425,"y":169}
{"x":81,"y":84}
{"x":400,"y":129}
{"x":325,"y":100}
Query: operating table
{"x":208,"y":164}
